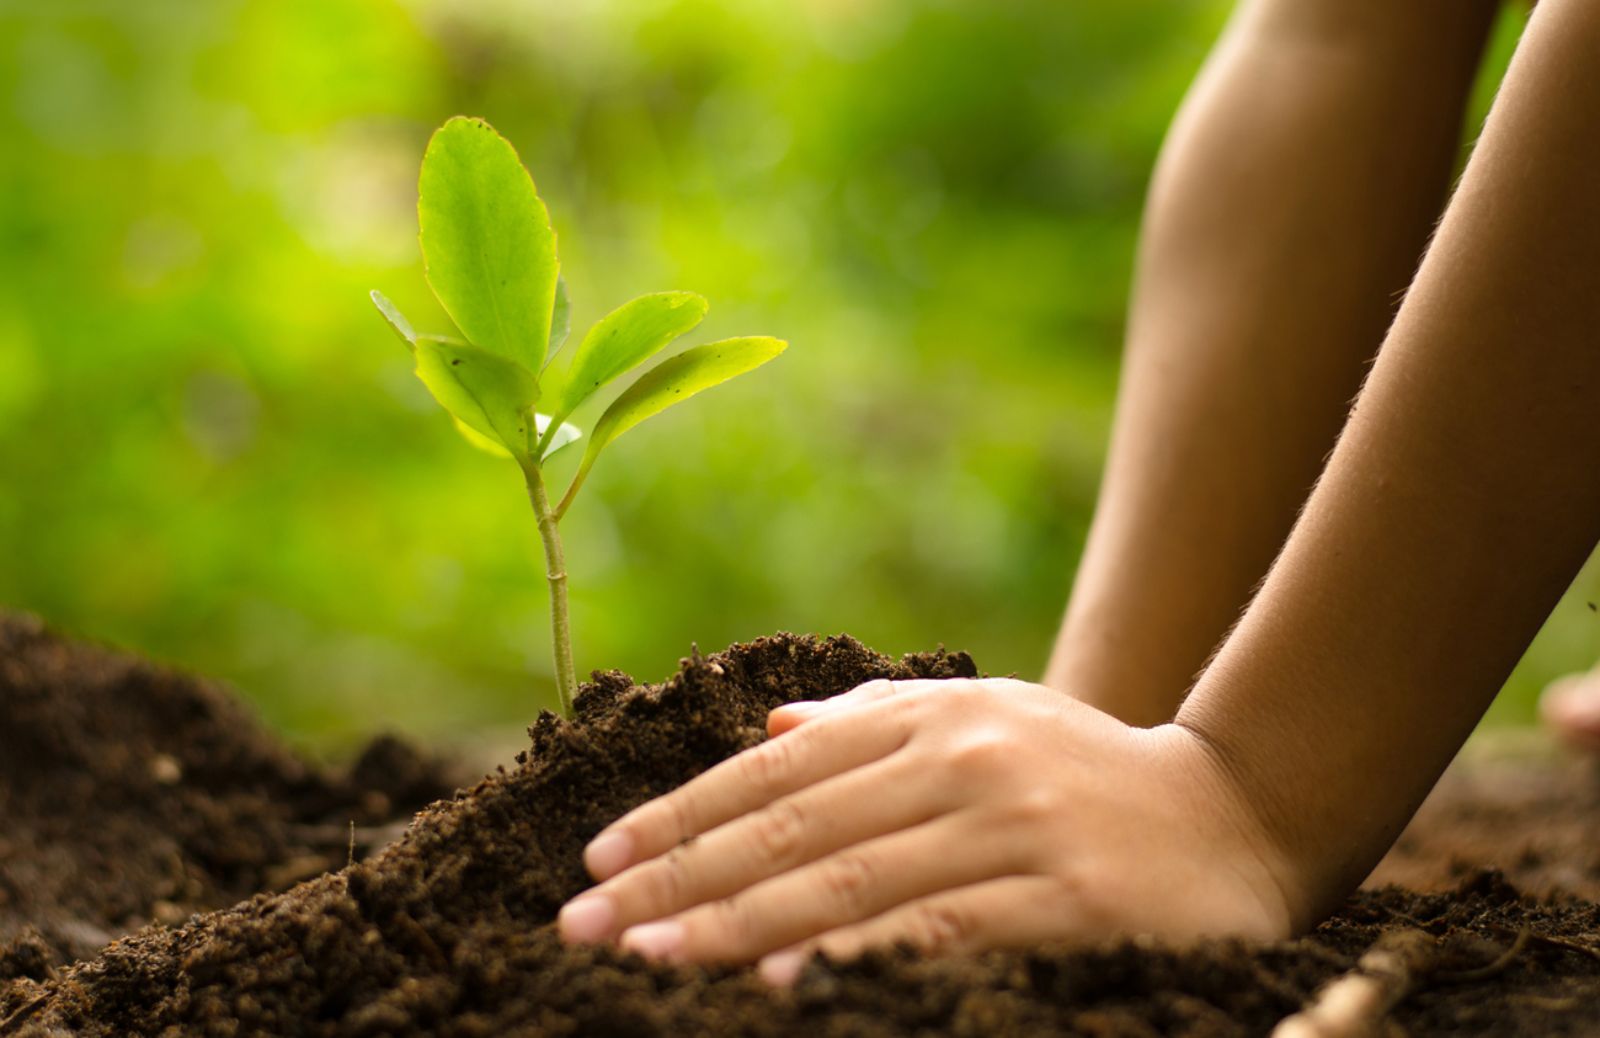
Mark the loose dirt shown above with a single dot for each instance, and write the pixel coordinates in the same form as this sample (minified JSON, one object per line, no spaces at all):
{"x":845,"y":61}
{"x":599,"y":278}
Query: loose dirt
{"x":133,"y":796}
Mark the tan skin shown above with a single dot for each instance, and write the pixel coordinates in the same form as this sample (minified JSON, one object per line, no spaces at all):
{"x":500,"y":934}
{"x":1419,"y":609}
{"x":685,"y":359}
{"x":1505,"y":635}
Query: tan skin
{"x":1460,"y":501}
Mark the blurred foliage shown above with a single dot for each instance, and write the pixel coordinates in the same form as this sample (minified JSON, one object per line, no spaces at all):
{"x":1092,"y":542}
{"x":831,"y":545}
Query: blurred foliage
{"x":211,"y":449}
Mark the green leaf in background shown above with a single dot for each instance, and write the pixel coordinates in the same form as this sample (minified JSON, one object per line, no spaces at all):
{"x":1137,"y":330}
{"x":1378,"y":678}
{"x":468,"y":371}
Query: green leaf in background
{"x":560,"y":321}
{"x":672,"y":381}
{"x":396,"y":319}
{"x":487,"y":393}
{"x":487,"y":246}
{"x":621,"y":341}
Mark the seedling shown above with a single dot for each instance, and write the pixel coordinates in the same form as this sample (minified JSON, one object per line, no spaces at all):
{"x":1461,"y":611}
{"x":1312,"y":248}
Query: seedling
{"x":490,"y":258}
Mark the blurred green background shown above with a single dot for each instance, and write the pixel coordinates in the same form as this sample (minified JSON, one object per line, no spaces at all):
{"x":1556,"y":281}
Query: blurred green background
{"x":211,"y":449}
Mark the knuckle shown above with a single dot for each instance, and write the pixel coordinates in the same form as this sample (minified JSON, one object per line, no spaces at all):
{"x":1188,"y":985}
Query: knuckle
{"x":765,"y":767}
{"x":1089,"y":900}
{"x":877,"y":688}
{"x":780,"y":830}
{"x":663,"y":882}
{"x":849,"y":880}
{"x":731,"y":929}
{"x":1034,"y":807}
{"x":957,"y":690}
{"x":981,"y":755}
{"x":941,"y":927}
{"x":675,"y":819}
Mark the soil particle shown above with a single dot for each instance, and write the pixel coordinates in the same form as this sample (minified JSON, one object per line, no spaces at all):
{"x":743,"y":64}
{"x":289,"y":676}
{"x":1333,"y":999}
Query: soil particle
{"x":448,"y":932}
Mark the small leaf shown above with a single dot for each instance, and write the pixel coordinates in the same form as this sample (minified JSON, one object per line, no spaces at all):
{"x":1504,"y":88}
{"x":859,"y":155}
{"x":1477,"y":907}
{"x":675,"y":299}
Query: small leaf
{"x":396,"y":319}
{"x":672,"y":381}
{"x":487,"y":245}
{"x":567,"y":433}
{"x":621,"y":341}
{"x":480,"y":441}
{"x":560,"y":321}
{"x":487,"y":393}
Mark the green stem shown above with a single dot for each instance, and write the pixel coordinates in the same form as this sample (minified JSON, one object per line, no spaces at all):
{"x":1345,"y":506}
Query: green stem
{"x":548,"y":435}
{"x":556,"y":573}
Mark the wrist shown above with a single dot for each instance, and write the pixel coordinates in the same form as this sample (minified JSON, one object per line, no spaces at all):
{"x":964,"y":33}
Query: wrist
{"x":1244,"y":824}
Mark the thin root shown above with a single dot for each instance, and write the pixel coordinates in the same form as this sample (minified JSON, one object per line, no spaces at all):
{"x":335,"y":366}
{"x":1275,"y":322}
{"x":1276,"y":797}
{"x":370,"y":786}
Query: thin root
{"x":1506,"y":958}
{"x":1355,"y":1004}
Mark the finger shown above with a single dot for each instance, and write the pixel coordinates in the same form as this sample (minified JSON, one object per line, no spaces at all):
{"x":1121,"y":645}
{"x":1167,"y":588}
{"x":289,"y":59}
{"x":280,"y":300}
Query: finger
{"x":792,"y":715}
{"x":864,"y":803}
{"x":1014,"y":910}
{"x":846,"y":887}
{"x":741,"y":784}
{"x":1570,"y":707}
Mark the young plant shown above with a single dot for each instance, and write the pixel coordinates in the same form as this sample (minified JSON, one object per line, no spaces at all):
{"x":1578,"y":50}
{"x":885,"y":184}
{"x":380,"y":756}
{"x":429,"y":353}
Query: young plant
{"x":490,"y":257}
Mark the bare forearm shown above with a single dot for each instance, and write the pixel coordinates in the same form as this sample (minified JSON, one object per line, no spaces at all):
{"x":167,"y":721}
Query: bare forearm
{"x":1292,"y":201}
{"x":1460,"y":502}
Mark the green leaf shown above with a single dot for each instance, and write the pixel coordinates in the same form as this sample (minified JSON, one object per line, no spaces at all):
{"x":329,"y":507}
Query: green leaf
{"x":672,"y":381}
{"x":487,"y":393}
{"x":487,"y":245}
{"x":621,"y":341}
{"x":396,"y":319}
{"x":568,"y":433}
{"x":560,"y":321}
{"x":480,"y":441}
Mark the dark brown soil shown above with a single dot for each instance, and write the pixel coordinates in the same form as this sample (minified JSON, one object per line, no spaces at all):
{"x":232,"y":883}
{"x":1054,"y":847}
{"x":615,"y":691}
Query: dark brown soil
{"x":448,"y":931}
{"x":131,"y":794}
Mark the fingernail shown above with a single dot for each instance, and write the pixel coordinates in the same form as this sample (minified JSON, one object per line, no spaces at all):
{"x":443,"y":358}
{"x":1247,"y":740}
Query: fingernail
{"x":608,"y":854}
{"x":781,"y":969}
{"x":654,"y":940}
{"x":587,"y":918}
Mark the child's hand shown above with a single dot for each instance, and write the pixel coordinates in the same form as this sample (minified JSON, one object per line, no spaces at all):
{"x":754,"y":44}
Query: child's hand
{"x":955,"y":815}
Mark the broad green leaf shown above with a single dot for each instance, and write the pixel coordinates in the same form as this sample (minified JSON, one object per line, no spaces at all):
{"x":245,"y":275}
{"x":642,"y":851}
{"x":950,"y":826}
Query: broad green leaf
{"x":487,"y":393}
{"x":672,"y":381}
{"x":621,"y":341}
{"x":567,"y":433}
{"x":487,"y":246}
{"x":560,"y":321}
{"x":396,"y":319}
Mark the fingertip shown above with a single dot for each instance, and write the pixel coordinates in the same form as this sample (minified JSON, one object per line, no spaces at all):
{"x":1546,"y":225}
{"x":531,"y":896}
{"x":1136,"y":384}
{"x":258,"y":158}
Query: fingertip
{"x":659,"y":942}
{"x":792,"y":715}
{"x":782,"y":969}
{"x":608,"y":854}
{"x":586,"y":919}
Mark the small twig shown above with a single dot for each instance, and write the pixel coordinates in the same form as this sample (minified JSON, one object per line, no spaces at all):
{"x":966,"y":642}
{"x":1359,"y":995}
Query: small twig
{"x":1569,"y":945}
{"x":19,"y":1017}
{"x":351,"y":860}
{"x":1355,"y":1004}
{"x":363,"y":835}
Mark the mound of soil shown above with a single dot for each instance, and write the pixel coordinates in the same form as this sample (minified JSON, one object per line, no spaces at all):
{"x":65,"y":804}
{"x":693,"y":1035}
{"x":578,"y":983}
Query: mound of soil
{"x":132,"y":794}
{"x":448,"y":931}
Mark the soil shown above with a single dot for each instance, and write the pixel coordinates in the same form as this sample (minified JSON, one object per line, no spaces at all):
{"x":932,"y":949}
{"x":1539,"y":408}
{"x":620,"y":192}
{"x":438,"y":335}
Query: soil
{"x":133,"y":796}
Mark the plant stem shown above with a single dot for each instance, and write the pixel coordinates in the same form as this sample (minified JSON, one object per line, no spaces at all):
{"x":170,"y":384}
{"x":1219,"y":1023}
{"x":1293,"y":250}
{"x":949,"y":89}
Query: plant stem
{"x":556,"y":573}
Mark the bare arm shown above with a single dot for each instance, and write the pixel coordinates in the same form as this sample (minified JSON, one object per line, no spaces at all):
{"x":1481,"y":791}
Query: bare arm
{"x":1463,"y":497}
{"x":1289,"y":209}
